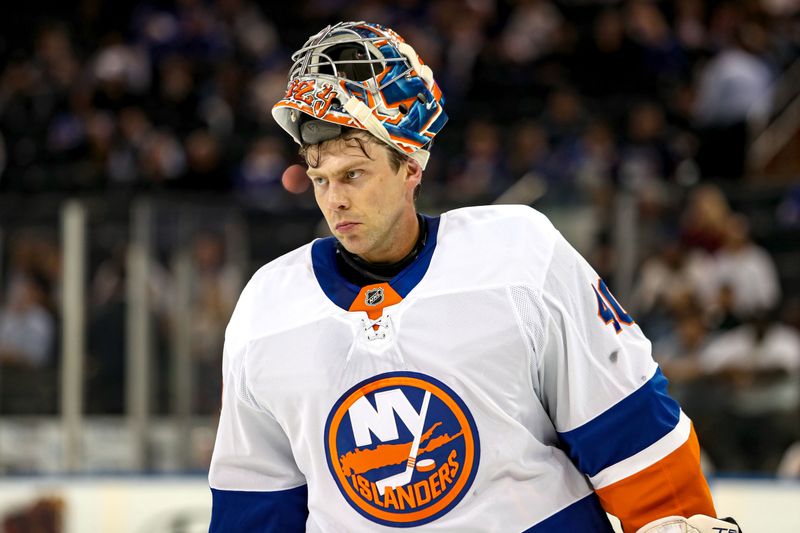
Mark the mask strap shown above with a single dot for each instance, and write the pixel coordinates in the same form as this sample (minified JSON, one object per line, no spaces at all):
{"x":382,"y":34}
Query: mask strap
{"x":358,"y":110}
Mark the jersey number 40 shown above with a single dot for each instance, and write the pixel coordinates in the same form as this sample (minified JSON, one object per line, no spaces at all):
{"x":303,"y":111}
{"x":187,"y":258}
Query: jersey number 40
{"x":608,"y":308}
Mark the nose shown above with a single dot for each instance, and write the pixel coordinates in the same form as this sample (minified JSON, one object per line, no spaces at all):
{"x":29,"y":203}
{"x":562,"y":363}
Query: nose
{"x":337,"y":196}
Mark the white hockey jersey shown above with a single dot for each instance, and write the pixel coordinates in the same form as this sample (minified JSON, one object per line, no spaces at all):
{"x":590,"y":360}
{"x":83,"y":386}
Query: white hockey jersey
{"x":495,"y":384}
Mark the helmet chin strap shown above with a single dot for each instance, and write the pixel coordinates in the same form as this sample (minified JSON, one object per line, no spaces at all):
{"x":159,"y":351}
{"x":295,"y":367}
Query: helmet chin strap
{"x":359,"y":110}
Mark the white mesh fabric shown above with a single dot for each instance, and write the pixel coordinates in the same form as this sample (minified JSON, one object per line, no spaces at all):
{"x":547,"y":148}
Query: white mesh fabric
{"x":243,"y":391}
{"x":531,"y":311}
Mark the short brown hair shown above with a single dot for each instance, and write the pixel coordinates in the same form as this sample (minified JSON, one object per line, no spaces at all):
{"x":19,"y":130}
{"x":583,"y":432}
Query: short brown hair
{"x":360,"y":138}
{"x":352,"y":137}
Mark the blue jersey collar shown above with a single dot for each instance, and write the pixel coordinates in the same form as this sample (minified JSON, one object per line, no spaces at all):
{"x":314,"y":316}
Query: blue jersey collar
{"x":342,"y":292}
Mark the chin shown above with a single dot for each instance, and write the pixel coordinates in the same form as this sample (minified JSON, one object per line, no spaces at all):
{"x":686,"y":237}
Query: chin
{"x":350,"y":244}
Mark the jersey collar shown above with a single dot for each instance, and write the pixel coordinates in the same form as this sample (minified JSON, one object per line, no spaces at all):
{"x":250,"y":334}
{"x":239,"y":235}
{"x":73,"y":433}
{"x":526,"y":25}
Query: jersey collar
{"x":344,"y":293}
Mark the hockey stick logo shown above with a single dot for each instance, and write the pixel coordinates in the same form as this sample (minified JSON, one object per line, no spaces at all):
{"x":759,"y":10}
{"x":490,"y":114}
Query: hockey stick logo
{"x":404,"y":478}
{"x":402,"y":448}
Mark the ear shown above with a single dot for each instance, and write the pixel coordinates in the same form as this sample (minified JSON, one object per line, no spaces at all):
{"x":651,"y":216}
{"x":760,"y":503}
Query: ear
{"x":413,"y":175}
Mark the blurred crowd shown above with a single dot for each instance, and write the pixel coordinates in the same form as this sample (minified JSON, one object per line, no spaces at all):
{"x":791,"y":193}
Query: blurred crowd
{"x":30,"y":322}
{"x":711,"y":301}
{"x":584,"y":94}
{"x":584,"y":99}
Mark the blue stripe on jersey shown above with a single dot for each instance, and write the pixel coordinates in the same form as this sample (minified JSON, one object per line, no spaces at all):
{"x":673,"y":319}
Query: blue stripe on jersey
{"x":585,"y":515}
{"x":336,"y":288}
{"x":413,"y":273}
{"x":625,"y":429}
{"x":282,"y":511}
{"x":342,"y":292}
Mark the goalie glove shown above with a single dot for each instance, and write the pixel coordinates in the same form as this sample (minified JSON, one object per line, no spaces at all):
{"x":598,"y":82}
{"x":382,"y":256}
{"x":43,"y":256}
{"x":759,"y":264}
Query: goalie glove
{"x":696,"y":524}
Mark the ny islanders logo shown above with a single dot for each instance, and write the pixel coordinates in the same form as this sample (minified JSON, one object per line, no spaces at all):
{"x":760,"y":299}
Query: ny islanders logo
{"x":402,"y":447}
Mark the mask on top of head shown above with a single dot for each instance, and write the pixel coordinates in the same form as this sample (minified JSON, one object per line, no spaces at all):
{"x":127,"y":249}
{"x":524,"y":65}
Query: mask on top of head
{"x":364,"y":76}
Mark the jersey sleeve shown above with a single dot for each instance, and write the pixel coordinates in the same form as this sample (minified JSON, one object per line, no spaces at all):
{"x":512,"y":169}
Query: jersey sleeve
{"x":255,"y":484}
{"x":609,"y":403}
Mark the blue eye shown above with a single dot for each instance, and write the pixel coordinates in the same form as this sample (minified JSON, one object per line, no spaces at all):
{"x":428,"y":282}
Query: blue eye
{"x":352,"y":174}
{"x":319,"y":181}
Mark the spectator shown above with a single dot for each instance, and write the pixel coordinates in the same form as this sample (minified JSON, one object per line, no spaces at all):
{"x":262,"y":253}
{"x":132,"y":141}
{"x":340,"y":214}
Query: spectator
{"x":126,"y":152}
{"x":100,"y":130}
{"x":34,"y":256}
{"x":482,"y":171}
{"x":107,"y":338}
{"x":122,"y":75}
{"x":176,"y":103}
{"x":23,"y":125}
{"x":597,"y":160}
{"x":748,"y":270}
{"x":705,"y":219}
{"x":611,"y":62}
{"x":27,"y":345}
{"x":756,"y":366}
{"x":530,"y":150}
{"x":215,"y":288}
{"x":531,"y":158}
{"x":666,"y":280}
{"x":27,"y":328}
{"x":722,"y":312}
{"x":564,"y":117}
{"x":255,"y":35}
{"x":262,"y":167}
{"x":204,"y":163}
{"x":646,"y":146}
{"x":163,"y":159}
{"x":690,"y":28}
{"x":107,"y":332}
{"x":679,"y":354}
{"x":662,"y":57}
{"x":531,"y":31}
{"x":733,"y":87}
{"x":788,"y":212}
{"x":466,"y":40}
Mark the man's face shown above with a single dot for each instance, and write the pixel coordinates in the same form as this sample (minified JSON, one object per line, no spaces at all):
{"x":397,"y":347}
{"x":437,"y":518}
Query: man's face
{"x":368,"y":206}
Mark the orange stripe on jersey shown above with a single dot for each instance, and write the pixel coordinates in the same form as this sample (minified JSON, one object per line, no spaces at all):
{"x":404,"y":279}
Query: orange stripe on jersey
{"x":674,"y":486}
{"x":373,"y":298}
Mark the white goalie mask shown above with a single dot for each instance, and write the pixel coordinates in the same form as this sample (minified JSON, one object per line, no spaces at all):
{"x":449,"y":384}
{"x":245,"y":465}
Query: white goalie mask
{"x":364,"y":76}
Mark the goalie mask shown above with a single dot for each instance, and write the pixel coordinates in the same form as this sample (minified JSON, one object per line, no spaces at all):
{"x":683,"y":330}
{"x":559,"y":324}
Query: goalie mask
{"x":362,"y":75}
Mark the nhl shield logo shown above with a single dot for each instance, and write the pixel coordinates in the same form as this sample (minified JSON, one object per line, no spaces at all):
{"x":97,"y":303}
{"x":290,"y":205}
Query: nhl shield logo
{"x":402,"y":447}
{"x":374,"y":296}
